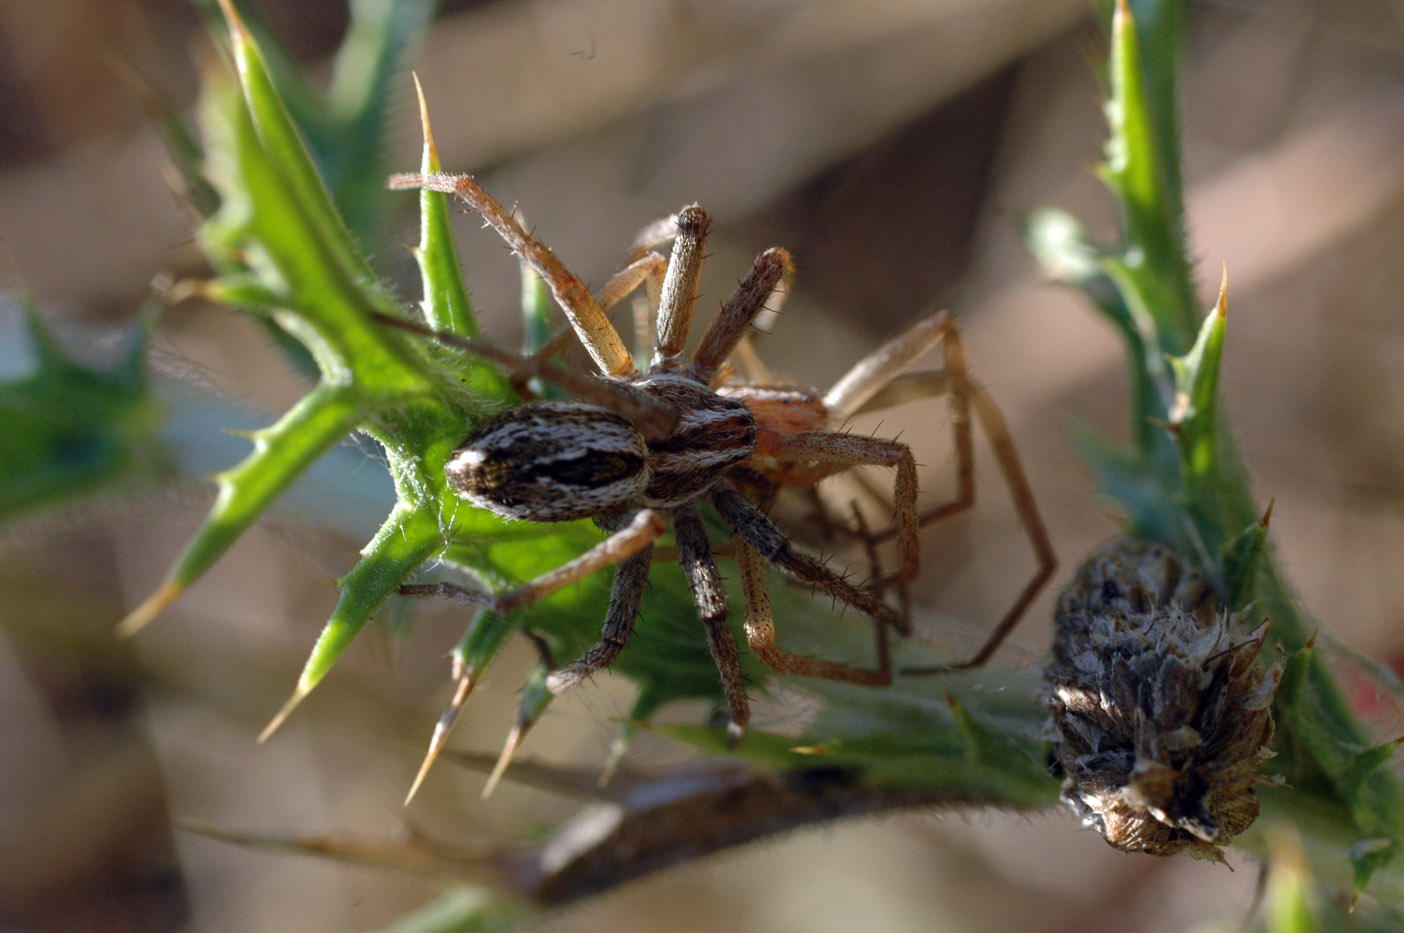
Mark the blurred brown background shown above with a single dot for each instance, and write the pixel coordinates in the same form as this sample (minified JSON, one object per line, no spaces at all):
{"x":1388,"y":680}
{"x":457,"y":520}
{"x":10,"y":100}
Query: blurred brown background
{"x":894,"y":148}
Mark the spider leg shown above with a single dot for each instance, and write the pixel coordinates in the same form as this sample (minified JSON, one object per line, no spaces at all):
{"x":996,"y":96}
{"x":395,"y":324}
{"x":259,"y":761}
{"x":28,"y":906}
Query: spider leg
{"x":625,"y":543}
{"x":751,"y":525}
{"x":580,"y":307}
{"x":875,"y":383}
{"x":832,"y":448}
{"x":760,"y":634}
{"x":703,"y":578}
{"x":651,"y":416}
{"x":679,"y":297}
{"x":648,"y":270}
{"x":1002,"y":444}
{"x":767,"y":274}
{"x":877,"y":369}
{"x":654,"y":235}
{"x":630,"y":578}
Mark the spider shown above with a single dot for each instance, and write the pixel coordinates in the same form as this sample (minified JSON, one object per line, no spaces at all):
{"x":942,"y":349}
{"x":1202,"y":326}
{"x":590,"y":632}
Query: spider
{"x":636,"y":447}
{"x":799,"y":444}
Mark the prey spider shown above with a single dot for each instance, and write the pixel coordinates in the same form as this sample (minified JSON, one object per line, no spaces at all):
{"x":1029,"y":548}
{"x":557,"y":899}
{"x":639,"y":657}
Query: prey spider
{"x":636,"y":447}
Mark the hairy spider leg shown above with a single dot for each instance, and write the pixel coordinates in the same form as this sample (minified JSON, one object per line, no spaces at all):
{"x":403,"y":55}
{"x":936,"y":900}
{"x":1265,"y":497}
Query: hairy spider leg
{"x":829,"y":449}
{"x":760,"y":634}
{"x":641,"y":530}
{"x":752,"y":527}
{"x":679,"y":298}
{"x":625,"y":597}
{"x":580,"y":307}
{"x":987,"y":413}
{"x":653,"y":417}
{"x":644,"y":268}
{"x":877,"y":382}
{"x":753,"y":295}
{"x":704,"y":579}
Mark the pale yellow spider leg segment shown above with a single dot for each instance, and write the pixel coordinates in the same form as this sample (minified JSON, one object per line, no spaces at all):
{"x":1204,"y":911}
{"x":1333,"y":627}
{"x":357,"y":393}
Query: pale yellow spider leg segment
{"x":834,"y":448}
{"x":661,"y":231}
{"x":648,"y":268}
{"x":650,"y":238}
{"x":746,"y":302}
{"x":580,"y":307}
{"x":876,"y":382}
{"x":907,"y":388}
{"x":760,"y":634}
{"x":1002,"y":444}
{"x":643,"y":530}
{"x":679,"y":296}
{"x":881,"y":366}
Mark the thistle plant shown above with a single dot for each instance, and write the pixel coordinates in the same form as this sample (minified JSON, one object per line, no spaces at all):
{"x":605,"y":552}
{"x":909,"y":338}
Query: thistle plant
{"x":1182,"y":482}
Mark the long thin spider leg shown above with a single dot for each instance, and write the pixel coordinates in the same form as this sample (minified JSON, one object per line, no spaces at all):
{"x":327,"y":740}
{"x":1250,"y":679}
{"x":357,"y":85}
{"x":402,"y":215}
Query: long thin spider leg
{"x":703,"y":578}
{"x":881,"y":366}
{"x":748,"y":300}
{"x":876,"y":382}
{"x":751,"y":526}
{"x":642,"y":530}
{"x":907,"y":388}
{"x":831,"y":447}
{"x":679,"y":296}
{"x":648,"y":267}
{"x":760,"y":634}
{"x":1027,"y":509}
{"x":630,"y":578}
{"x":654,"y":418}
{"x":580,"y":307}
{"x":654,"y":235}
{"x":650,"y":238}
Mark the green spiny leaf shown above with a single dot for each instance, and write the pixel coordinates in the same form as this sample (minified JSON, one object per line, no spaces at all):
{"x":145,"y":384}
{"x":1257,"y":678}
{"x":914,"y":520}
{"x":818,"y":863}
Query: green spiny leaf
{"x":1366,"y":858}
{"x":1138,"y":168}
{"x":280,"y":454}
{"x":408,"y":537}
{"x":1361,"y":767}
{"x":70,"y":429}
{"x":1241,"y":559}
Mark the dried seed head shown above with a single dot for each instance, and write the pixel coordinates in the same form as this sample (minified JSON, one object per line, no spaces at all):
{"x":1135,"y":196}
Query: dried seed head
{"x":1162,"y":709}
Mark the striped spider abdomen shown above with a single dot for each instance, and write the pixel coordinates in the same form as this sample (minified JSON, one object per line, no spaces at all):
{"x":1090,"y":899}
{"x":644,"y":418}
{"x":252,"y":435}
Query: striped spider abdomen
{"x":552,"y":462}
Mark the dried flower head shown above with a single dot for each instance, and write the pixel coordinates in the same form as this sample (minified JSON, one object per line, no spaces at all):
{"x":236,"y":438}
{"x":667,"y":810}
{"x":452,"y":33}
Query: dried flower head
{"x":1161,"y":706}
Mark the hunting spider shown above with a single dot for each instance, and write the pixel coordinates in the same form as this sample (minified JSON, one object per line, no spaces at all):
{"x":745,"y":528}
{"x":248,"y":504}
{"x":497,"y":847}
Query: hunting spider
{"x":638,"y":446}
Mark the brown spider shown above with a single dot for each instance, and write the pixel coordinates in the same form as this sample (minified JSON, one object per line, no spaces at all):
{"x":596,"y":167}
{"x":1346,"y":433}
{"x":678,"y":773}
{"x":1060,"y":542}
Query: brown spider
{"x":639,"y":446}
{"x":636,"y":447}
